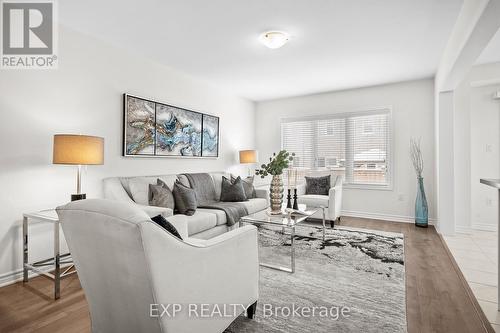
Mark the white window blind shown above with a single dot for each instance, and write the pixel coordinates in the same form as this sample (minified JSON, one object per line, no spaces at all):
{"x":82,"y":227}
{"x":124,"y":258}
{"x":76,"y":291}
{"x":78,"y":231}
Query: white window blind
{"x":354,"y":145}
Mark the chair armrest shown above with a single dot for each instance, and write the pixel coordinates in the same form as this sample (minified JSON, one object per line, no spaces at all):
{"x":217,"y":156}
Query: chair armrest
{"x":224,"y":270}
{"x":153,"y":211}
{"x":334,"y":201}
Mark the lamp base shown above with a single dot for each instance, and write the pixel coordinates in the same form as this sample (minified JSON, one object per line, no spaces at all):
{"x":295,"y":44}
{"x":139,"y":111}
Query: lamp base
{"x":75,"y":197}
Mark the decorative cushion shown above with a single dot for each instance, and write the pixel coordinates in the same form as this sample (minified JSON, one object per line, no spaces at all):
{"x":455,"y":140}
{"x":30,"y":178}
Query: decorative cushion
{"x":160,"y":220}
{"x":217,"y":177}
{"x":318,"y":185}
{"x":247,"y":186}
{"x":160,"y":195}
{"x":185,"y":199}
{"x":232,"y":191}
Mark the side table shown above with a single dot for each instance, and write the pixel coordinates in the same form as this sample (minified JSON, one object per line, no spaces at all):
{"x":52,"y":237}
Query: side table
{"x":58,"y":261}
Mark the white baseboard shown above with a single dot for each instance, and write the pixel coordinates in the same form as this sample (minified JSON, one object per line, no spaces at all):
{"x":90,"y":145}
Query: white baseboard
{"x":484,"y":227}
{"x":462,"y":229}
{"x":386,"y":217}
{"x":16,"y":276}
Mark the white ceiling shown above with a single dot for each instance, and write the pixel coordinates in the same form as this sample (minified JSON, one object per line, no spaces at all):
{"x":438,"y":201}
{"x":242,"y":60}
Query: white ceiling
{"x":492,"y":52}
{"x":336,"y":44}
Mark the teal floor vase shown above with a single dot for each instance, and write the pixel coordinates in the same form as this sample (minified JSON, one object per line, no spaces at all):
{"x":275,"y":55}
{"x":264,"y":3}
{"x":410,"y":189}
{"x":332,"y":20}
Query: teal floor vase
{"x":421,"y":209}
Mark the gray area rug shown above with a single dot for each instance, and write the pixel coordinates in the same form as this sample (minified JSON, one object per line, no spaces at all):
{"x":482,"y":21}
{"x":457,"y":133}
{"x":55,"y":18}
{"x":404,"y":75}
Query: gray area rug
{"x":361,"y":271}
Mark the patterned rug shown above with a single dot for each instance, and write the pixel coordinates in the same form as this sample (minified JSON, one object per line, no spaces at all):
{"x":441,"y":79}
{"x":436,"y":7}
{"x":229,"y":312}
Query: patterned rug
{"x":354,"y":281}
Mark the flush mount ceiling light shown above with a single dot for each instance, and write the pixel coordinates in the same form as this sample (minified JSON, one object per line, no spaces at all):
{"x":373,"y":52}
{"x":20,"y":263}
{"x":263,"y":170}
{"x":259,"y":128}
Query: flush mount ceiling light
{"x":274,"y":39}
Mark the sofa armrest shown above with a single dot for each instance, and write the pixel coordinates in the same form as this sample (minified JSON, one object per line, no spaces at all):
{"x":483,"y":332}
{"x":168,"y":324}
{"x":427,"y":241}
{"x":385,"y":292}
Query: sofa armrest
{"x":262,"y":193}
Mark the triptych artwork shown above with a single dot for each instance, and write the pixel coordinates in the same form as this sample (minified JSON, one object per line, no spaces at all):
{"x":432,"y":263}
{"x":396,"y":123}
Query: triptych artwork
{"x":158,"y":129}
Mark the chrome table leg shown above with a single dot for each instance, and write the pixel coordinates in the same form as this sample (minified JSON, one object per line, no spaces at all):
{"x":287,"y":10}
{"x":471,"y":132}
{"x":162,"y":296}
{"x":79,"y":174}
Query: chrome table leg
{"x":292,"y":245}
{"x":25,"y":249}
{"x":324,"y":221}
{"x":57,"y":263}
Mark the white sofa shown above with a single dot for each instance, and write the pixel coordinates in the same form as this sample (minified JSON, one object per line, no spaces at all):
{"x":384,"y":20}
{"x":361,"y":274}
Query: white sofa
{"x":128,"y":266}
{"x":332,"y":202}
{"x":204,"y":224}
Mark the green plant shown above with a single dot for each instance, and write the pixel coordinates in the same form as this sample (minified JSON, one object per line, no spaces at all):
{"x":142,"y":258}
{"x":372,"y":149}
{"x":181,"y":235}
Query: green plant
{"x":276,"y":165}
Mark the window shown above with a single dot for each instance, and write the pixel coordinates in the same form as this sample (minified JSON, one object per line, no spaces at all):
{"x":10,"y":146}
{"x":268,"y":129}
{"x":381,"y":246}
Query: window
{"x":355,"y":145}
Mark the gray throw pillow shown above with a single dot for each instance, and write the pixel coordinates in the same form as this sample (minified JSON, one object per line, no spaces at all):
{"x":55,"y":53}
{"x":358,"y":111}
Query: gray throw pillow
{"x":232,"y":191}
{"x":318,"y":185}
{"x":160,"y":195}
{"x":185,"y":199}
{"x":247,"y":186}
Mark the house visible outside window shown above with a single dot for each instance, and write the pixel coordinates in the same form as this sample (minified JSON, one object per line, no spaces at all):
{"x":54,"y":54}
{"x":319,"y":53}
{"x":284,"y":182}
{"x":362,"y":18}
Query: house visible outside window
{"x":355,"y":145}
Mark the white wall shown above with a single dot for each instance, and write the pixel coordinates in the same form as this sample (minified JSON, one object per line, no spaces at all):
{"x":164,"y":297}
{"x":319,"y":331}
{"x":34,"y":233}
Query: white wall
{"x":85,"y":96}
{"x":476,"y":25}
{"x":477,"y":148}
{"x":413,"y":116}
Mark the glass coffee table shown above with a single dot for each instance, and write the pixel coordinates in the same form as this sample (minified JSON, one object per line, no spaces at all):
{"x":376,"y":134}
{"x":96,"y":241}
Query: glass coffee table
{"x":286,"y":221}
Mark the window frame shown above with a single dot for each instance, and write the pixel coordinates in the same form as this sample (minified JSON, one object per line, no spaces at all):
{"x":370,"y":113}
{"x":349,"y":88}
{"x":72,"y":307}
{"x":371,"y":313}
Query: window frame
{"x":389,"y":186}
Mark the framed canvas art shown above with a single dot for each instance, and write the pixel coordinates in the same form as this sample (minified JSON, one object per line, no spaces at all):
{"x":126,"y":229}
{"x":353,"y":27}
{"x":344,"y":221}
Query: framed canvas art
{"x":210,"y":141}
{"x":155,"y":129}
{"x":178,"y":131}
{"x":139,"y":127}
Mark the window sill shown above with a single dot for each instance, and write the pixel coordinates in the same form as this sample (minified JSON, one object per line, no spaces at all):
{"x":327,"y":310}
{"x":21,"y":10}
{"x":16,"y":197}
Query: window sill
{"x":368,"y":187}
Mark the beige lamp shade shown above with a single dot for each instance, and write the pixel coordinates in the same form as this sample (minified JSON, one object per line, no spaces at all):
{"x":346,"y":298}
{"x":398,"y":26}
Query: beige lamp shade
{"x":248,"y":156}
{"x":78,"y":149}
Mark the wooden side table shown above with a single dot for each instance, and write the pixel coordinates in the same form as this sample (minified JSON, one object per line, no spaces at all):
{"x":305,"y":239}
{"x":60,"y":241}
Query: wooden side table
{"x":58,"y":261}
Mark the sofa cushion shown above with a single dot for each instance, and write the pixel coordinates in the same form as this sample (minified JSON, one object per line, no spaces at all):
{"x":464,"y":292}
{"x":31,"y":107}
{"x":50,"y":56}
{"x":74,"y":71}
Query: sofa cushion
{"x":139,"y":189}
{"x":220,"y":215}
{"x":169,"y":180}
{"x":255,"y":205}
{"x":313,"y":200}
{"x":200,"y":221}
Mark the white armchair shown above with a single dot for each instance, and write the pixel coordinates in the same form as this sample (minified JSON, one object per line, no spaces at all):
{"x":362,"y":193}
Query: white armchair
{"x":332,"y":202}
{"x":129,"y":266}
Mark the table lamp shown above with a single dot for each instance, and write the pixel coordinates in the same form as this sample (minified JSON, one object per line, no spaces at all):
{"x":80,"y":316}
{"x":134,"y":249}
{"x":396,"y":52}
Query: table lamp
{"x":248,"y":157}
{"x":78,"y":150}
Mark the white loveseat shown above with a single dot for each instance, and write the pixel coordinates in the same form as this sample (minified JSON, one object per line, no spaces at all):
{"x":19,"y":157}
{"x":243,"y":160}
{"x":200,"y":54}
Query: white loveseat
{"x":331,"y":202}
{"x":204,"y":224}
{"x":129,"y":267}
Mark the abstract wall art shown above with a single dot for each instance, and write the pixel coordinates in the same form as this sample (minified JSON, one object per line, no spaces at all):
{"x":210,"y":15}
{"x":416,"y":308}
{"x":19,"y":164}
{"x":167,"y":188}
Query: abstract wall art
{"x":178,"y":131}
{"x":158,"y":129}
{"x":210,"y":142}
{"x":139,"y":126}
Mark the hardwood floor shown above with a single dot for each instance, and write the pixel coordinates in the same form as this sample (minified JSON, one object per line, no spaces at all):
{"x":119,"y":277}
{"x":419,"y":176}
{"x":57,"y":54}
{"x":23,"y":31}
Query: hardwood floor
{"x":437,"y":297}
